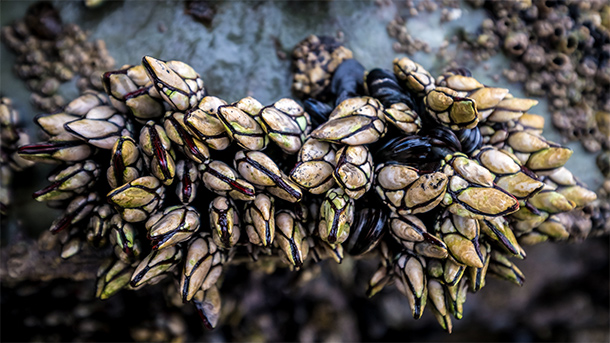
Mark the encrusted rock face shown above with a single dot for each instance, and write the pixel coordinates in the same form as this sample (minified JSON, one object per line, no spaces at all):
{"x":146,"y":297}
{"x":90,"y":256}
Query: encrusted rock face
{"x":444,"y":179}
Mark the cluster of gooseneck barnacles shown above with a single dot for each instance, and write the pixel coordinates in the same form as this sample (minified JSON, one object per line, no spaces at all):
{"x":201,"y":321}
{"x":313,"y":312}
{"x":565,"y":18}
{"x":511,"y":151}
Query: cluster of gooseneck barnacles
{"x":443,"y":180}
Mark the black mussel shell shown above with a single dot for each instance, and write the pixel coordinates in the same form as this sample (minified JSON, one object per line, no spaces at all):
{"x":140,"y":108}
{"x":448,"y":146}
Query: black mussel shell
{"x":429,"y":147}
{"x":348,"y":81}
{"x":413,"y":149}
{"x":367,"y":230}
{"x":318,"y":111}
{"x":471,"y":139}
{"x":443,"y":141}
{"x":442,"y":136}
{"x":383,"y":85}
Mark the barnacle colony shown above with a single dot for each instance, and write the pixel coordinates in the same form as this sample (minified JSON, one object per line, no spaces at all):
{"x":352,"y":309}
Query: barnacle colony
{"x":442,"y":181}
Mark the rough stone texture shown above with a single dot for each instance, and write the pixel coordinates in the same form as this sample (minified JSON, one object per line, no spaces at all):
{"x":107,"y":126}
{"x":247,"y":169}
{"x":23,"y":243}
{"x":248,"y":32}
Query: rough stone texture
{"x":565,"y":296}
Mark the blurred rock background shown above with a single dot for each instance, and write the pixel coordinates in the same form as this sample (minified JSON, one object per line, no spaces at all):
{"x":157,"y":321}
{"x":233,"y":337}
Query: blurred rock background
{"x":243,"y":48}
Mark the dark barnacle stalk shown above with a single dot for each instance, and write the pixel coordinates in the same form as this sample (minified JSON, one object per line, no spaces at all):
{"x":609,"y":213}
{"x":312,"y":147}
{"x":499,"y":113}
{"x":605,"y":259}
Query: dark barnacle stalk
{"x":442,"y":184}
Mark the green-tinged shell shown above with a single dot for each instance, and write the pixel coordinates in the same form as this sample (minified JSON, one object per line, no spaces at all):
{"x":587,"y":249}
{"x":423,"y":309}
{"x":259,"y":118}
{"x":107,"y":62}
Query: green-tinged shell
{"x":520,"y":185}
{"x":174,"y":225}
{"x":145,"y":104}
{"x":124,"y":239}
{"x":54,"y":151}
{"x":66,"y":183}
{"x":218,"y":177}
{"x":405,"y":191}
{"x":178,"y":133}
{"x":412,"y":282}
{"x":500,"y":266}
{"x":549,"y":159}
{"x":480,"y":202}
{"x":155,"y":144}
{"x":71,"y":240}
{"x":551,"y":201}
{"x":498,"y":230}
{"x":413,"y":76}
{"x":438,"y":304}
{"x":486,"y":98}
{"x":354,"y":170}
{"x":336,"y":216}
{"x":471,"y":191}
{"x":457,"y":298}
{"x":290,"y":238}
{"x":533,"y":238}
{"x":355,"y":121}
{"x":476,"y":276}
{"x":177,"y":83}
{"x":511,"y":109}
{"x":381,"y":278}
{"x":202,"y":266}
{"x":461,"y":235}
{"x":242,"y":127}
{"x":138,"y":199}
{"x":438,"y":221}
{"x":224,"y":221}
{"x":100,"y":127}
{"x":579,"y":195}
{"x":158,"y":262}
{"x":526,"y":220}
{"x":449,"y":109}
{"x":259,"y":218}
{"x":251,"y":106}
{"x":112,"y":276}
{"x":286,"y":124}
{"x":204,"y":124}
{"x":403,"y":117}
{"x":412,"y":234}
{"x":554,"y":228}
{"x":452,"y":270}
{"x":125,"y":162}
{"x":315,"y":166}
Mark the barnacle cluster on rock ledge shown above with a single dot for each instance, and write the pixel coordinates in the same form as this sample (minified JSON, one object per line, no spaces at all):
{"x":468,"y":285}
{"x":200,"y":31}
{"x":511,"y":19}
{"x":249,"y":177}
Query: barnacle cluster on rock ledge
{"x":442,"y":180}
{"x":559,"y":50}
{"x":50,"y":53}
